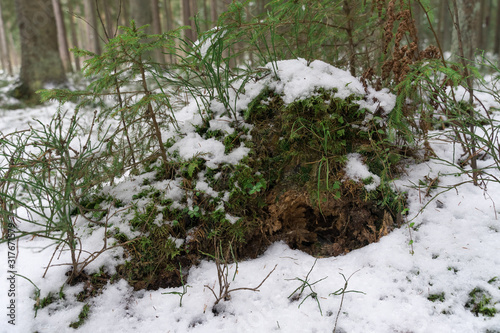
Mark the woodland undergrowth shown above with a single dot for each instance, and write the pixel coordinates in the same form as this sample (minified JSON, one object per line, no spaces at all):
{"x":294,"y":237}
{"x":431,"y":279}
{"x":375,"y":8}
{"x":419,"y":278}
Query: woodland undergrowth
{"x":290,"y":186}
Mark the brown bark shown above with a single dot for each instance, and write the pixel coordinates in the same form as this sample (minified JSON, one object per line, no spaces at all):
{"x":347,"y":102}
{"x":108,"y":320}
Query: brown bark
{"x":61,"y":36}
{"x":194,"y":11}
{"x":186,"y":14}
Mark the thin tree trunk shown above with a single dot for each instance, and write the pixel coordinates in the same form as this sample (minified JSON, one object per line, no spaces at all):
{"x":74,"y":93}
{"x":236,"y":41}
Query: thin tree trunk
{"x":141,"y":13}
{"x":213,"y":11}
{"x":186,"y":14}
{"x":468,"y":12}
{"x":418,"y":16}
{"x":169,"y":16}
{"x":110,"y":28}
{"x":481,"y":25}
{"x":155,"y":11}
{"x":156,"y":25}
{"x":488,"y":28}
{"x":72,"y":29}
{"x":61,"y":36}
{"x":443,"y":15}
{"x":350,"y":30}
{"x":497,"y":30}
{"x":14,"y":54}
{"x":169,"y":23}
{"x":93,"y":44}
{"x":193,"y":9}
{"x":206,"y":15}
{"x":125,"y":13}
{"x":4,"y":46}
{"x":260,"y":6}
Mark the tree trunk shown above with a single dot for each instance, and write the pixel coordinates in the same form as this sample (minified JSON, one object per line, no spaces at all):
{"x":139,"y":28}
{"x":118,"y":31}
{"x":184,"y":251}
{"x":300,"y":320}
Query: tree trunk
{"x":489,"y":25}
{"x":260,"y":6}
{"x":418,"y":17}
{"x":193,"y":6}
{"x":156,"y":25}
{"x":169,"y":15}
{"x":109,"y":20}
{"x":213,"y":11}
{"x":93,"y":44}
{"x":155,"y":11}
{"x":72,"y":29}
{"x":61,"y":36}
{"x":186,"y":14}
{"x":4,"y":47}
{"x":169,"y":22}
{"x":125,"y":13}
{"x":15,"y":57}
{"x":481,"y":25}
{"x":206,"y":15}
{"x":468,"y":13}
{"x":40,"y":60}
{"x":141,"y":13}
{"x":497,"y":30}
{"x":442,"y":15}
{"x":350,"y":30}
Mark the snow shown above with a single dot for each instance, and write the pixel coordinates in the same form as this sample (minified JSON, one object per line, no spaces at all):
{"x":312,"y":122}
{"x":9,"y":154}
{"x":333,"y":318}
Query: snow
{"x":355,"y":169}
{"x":299,"y":80}
{"x":211,"y":150}
{"x":455,"y":246}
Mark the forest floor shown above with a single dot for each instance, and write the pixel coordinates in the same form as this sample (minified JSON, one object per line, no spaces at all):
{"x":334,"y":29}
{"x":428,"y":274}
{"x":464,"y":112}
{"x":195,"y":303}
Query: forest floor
{"x":440,"y":275}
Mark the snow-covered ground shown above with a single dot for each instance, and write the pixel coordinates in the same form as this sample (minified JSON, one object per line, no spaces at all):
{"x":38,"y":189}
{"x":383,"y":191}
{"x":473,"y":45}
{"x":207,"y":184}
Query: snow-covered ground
{"x":456,"y":246}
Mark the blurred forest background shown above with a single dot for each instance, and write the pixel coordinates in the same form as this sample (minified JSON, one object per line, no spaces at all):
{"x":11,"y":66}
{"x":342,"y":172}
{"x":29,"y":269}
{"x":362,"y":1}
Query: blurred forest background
{"x":371,"y":38}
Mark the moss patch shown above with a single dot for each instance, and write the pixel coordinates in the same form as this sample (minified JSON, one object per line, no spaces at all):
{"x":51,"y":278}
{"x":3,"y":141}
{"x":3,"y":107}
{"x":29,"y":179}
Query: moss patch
{"x":300,"y":151}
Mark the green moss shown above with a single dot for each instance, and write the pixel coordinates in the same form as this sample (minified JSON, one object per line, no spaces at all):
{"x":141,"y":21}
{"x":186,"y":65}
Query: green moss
{"x":82,"y":316}
{"x":436,"y":297}
{"x":480,"y":302}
